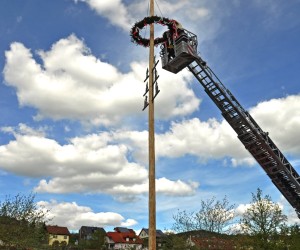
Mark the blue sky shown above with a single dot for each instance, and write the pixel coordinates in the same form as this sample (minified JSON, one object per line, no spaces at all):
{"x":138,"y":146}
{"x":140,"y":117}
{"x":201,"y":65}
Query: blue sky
{"x":72,"y":129}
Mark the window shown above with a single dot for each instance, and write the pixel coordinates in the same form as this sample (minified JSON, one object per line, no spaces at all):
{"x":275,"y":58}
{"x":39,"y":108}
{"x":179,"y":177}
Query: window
{"x":54,"y":236}
{"x":65,"y":237}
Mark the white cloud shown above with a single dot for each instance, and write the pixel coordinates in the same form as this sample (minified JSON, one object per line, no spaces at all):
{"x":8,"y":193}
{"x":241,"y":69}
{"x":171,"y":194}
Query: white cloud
{"x":204,"y":139}
{"x":281,"y":118}
{"x":73,"y":216}
{"x":95,"y":163}
{"x":74,"y":84}
{"x":189,"y":13}
{"x":99,"y":163}
{"x":114,"y":10}
{"x":241,"y":209}
{"x":212,"y":139}
{"x":176,"y":188}
{"x":25,"y":130}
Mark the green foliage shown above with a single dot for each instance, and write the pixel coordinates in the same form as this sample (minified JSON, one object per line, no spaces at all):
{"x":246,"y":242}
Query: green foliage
{"x":290,"y":236}
{"x":96,"y":242}
{"x":176,"y":242}
{"x":22,"y":223}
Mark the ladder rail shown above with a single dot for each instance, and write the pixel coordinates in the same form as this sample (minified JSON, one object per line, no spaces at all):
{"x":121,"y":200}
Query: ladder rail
{"x":255,"y":140}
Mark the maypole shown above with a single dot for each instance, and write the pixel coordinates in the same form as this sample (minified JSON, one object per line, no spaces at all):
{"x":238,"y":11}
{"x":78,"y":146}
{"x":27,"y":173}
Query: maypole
{"x":152,"y":194}
{"x":151,"y":92}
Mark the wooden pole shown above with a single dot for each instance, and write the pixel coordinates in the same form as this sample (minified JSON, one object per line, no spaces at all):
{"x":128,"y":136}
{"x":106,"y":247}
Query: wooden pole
{"x":152,"y":192}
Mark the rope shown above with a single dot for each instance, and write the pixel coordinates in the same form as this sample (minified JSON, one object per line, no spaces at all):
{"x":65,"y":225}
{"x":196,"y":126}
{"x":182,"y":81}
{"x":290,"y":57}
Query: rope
{"x":158,"y":8}
{"x":147,"y":14}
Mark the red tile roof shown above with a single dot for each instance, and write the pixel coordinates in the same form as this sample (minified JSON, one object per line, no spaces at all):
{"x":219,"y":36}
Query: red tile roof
{"x":128,"y":237}
{"x":57,"y":230}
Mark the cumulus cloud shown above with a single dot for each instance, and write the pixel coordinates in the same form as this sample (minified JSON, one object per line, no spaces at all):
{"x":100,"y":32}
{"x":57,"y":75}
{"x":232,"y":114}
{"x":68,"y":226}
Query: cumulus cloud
{"x":205,"y":140}
{"x":96,"y":163}
{"x":99,"y":162}
{"x":114,"y":10}
{"x":190,"y":13}
{"x":73,"y":216}
{"x":281,"y":118}
{"x":73,"y":84}
{"x":212,"y":139}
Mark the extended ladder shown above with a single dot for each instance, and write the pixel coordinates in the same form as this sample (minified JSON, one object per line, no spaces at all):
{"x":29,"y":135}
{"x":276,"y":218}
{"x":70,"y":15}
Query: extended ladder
{"x":255,"y":140}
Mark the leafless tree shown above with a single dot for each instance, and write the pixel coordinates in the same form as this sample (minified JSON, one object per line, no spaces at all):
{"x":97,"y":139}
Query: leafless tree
{"x":213,"y":216}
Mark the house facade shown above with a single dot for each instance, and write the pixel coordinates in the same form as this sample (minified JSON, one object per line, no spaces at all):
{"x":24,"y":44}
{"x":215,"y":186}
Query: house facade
{"x":86,"y":232}
{"x":123,"y":238}
{"x":160,"y":237}
{"x":58,"y":235}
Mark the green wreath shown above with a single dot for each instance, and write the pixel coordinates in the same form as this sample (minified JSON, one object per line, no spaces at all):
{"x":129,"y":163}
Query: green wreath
{"x":135,"y":30}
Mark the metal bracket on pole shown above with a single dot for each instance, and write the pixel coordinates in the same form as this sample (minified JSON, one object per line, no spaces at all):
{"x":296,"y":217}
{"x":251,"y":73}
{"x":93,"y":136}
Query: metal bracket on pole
{"x":147,"y":75}
{"x":147,"y":89}
{"x":146,"y":103}
{"x":155,"y":78}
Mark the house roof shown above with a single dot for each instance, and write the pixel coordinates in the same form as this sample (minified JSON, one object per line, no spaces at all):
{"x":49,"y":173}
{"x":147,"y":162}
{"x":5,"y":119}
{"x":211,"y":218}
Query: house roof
{"x":90,"y":230}
{"x":123,"y":230}
{"x":124,"y":235}
{"x":159,"y":233}
{"x":57,"y":230}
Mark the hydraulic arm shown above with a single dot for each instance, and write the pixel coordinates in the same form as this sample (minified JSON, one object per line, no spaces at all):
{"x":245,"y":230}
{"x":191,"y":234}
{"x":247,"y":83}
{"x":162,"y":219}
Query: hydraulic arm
{"x":255,"y":140}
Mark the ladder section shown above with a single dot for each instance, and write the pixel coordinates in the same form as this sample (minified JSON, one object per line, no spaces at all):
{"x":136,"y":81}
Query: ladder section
{"x":255,"y":140}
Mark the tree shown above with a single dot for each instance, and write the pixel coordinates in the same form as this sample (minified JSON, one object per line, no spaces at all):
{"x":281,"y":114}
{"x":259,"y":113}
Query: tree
{"x":22,"y":223}
{"x":213,"y":216}
{"x":290,"y":236}
{"x":177,"y":242}
{"x":294,"y":237}
{"x":262,"y":220}
{"x":184,"y":222}
{"x":97,"y":240}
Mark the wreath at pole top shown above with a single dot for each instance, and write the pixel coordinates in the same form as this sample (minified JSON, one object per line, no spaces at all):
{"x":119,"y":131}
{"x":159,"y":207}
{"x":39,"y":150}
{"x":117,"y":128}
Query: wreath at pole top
{"x":135,"y":30}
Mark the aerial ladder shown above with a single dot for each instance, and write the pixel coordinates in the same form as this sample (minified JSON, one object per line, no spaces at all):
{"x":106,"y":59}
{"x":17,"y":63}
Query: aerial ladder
{"x":255,"y":140}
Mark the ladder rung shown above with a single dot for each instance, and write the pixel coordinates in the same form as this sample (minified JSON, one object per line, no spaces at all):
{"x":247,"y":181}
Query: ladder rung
{"x":227,"y":105}
{"x":265,"y":156}
{"x":230,"y":111}
{"x":195,"y":67}
{"x":260,"y":151}
{"x":212,"y":88}
{"x":252,"y":145}
{"x":268,"y":162}
{"x":201,"y":79}
{"x":246,"y":136}
{"x":218,"y":95}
